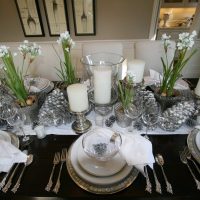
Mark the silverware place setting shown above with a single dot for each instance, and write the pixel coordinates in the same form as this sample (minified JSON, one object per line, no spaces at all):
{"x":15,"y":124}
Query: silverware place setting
{"x":58,"y":158}
{"x":8,"y":179}
{"x":184,"y":157}
{"x":158,"y":188}
{"x":160,"y":161}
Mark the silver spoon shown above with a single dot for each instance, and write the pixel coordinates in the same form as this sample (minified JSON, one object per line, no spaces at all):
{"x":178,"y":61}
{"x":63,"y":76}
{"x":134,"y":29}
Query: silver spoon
{"x":28,"y":162}
{"x":160,"y":161}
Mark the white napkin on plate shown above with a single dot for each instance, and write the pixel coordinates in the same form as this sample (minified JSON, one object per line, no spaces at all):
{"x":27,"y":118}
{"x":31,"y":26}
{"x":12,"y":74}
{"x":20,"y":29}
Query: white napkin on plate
{"x":137,"y":151}
{"x":9,"y":155}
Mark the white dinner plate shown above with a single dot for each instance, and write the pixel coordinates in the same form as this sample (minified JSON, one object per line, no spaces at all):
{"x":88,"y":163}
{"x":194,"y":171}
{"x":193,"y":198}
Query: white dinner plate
{"x":100,"y":168}
{"x":107,"y":180}
{"x":5,"y":136}
{"x":191,"y":142}
{"x":197,"y":140}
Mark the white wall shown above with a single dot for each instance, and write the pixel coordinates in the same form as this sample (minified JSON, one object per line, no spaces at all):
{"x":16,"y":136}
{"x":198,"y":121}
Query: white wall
{"x":45,"y":65}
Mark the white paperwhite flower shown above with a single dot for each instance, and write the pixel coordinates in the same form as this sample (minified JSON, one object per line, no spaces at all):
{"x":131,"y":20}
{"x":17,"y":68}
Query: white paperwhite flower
{"x":4,"y":51}
{"x":30,"y":48}
{"x":65,"y":38}
{"x":186,"y":40}
{"x":165,"y":37}
{"x":67,"y":49}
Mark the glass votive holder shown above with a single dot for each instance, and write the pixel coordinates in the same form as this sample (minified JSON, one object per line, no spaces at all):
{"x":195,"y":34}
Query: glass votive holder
{"x":99,"y":120}
{"x":40,"y":131}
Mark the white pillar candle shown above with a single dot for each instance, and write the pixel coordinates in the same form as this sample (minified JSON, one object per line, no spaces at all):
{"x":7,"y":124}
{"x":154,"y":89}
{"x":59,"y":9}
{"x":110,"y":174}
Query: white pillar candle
{"x":122,"y":70}
{"x":136,"y":69}
{"x":102,"y":84}
{"x":78,"y":97}
{"x":197,"y":89}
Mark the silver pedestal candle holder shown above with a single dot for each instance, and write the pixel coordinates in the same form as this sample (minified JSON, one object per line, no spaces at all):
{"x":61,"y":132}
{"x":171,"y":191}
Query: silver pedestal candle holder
{"x":103,"y":109}
{"x":81,"y":123}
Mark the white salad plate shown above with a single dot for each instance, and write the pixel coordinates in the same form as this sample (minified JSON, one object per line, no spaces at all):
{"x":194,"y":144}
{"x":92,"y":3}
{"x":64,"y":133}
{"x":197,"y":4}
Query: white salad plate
{"x":100,"y":168}
{"x":9,"y":137}
{"x":89,"y":177}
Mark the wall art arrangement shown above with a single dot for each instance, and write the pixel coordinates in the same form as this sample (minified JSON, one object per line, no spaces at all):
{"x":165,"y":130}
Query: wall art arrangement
{"x":57,"y":18}
{"x":30,"y":17}
{"x":84,"y":17}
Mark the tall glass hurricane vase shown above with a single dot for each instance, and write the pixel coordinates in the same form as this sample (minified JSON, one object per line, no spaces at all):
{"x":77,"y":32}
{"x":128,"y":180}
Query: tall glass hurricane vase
{"x":102,"y":69}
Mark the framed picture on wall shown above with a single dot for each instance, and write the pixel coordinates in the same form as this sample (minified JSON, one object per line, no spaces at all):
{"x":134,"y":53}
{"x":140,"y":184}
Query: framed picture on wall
{"x":57,"y":17}
{"x":30,"y":17}
{"x":84,"y":17}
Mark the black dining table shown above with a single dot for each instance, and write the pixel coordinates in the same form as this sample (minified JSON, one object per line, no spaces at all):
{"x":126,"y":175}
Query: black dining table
{"x":37,"y":174}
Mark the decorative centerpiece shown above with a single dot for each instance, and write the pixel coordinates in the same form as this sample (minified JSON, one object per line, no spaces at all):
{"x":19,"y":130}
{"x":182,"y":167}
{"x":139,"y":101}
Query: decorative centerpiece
{"x":103,"y":69}
{"x":13,"y":77}
{"x":126,"y":94}
{"x":172,"y":70}
{"x":66,"y":72}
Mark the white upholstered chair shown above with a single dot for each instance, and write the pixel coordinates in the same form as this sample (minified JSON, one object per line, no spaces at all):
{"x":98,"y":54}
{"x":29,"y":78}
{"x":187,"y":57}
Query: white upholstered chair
{"x":107,"y":47}
{"x":151,"y":52}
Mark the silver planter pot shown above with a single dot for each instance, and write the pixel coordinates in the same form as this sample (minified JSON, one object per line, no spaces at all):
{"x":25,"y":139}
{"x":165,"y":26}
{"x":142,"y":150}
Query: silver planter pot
{"x":31,"y":111}
{"x":121,"y":118}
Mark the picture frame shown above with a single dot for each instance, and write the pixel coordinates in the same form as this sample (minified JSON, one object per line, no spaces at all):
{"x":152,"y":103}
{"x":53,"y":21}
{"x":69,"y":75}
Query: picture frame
{"x":84,"y":17}
{"x":57,"y":16}
{"x":30,"y":17}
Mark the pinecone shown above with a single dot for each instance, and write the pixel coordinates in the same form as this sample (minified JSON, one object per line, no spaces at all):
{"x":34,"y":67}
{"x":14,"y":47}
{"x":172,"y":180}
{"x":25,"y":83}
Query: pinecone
{"x":112,"y":118}
{"x":108,"y":123}
{"x":138,"y":125}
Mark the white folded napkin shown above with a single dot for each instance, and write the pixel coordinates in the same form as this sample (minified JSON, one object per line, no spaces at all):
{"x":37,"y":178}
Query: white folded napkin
{"x":9,"y":155}
{"x":137,"y":151}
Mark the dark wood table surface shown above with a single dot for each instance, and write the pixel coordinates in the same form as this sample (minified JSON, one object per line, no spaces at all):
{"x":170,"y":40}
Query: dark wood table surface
{"x":37,"y":174}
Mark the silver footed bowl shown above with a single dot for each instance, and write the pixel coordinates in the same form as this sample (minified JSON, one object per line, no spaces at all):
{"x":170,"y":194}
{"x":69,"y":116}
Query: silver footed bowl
{"x":101,"y":143}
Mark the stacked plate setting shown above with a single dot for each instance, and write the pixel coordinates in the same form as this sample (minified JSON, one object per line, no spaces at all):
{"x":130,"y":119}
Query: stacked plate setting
{"x":193,"y":142}
{"x":99,"y":177}
{"x":9,"y":137}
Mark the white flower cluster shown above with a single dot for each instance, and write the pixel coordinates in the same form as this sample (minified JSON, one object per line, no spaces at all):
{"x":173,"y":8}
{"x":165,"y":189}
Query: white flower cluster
{"x":30,"y":48}
{"x":65,"y":38}
{"x":4,"y":51}
{"x":166,"y":39}
{"x":186,"y":40}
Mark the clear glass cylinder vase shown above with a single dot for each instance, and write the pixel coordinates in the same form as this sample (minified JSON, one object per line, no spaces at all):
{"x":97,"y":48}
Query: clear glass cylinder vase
{"x":102,"y":69}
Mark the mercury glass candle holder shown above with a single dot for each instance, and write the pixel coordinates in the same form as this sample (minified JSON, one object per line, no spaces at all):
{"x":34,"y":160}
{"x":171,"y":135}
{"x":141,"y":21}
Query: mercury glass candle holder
{"x":81,"y":123}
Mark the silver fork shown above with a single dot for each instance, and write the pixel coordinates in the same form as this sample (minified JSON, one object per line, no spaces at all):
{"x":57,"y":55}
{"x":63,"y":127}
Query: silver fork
{"x":183,"y":159}
{"x":56,"y":160}
{"x":189,"y":157}
{"x":63,"y":159}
